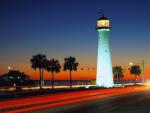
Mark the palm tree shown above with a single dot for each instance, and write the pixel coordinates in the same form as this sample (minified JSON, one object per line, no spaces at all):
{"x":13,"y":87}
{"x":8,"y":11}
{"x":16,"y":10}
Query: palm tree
{"x":135,"y":70}
{"x":118,"y":72}
{"x":37,"y":61}
{"x":70,"y":64}
{"x":53,"y":66}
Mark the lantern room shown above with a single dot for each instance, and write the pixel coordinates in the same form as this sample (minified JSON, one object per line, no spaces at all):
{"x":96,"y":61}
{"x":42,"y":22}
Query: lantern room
{"x":103,"y":23}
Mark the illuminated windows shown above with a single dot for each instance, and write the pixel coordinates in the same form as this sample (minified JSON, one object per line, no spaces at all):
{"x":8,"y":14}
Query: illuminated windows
{"x":103,"y":24}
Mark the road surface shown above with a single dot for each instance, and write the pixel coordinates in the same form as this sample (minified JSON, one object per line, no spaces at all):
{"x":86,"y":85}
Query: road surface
{"x":113,"y":100}
{"x":138,"y":102}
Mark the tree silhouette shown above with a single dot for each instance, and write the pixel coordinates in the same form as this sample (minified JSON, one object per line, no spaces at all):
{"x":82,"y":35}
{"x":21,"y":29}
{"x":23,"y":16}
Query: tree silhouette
{"x":38,"y":61}
{"x":70,"y":64}
{"x":15,"y":77}
{"x":118,"y":72}
{"x":53,"y":66}
{"x":135,"y":70}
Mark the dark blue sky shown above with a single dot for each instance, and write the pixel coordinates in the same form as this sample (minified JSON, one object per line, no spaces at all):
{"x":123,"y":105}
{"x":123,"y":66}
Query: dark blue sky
{"x":60,"y":28}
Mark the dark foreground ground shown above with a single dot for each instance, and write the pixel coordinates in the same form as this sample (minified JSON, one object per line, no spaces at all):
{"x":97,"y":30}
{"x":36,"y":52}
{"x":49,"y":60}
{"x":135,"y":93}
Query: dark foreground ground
{"x":138,"y":102}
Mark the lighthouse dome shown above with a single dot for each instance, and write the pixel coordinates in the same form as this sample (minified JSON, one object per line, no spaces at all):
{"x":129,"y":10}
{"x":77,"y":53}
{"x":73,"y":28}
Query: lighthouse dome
{"x":103,"y":18}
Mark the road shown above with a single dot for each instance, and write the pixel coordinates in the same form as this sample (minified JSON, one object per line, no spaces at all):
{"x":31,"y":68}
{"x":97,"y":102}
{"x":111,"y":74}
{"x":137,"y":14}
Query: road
{"x":113,"y":100}
{"x":129,"y":103}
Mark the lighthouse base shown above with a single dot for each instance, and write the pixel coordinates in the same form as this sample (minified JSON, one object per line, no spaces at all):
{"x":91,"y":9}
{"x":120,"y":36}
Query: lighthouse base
{"x":106,"y":85}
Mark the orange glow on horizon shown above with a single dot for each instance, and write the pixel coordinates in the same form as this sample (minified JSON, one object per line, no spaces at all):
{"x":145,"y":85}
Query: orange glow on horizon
{"x":76,"y":75}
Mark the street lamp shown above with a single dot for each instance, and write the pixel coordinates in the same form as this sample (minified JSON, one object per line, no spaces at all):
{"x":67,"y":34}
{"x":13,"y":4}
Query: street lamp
{"x":9,"y":68}
{"x":143,"y":80}
{"x":131,"y":64}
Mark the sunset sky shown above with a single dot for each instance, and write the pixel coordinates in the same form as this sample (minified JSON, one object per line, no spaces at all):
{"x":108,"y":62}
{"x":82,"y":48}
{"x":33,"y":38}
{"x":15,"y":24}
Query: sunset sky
{"x":62,"y":28}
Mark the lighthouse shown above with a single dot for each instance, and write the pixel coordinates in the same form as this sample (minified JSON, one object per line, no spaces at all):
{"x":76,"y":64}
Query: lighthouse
{"x":104,"y":77}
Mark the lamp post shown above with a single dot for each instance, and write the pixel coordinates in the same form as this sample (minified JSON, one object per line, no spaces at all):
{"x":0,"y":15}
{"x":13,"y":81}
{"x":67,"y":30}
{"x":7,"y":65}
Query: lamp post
{"x":9,"y":68}
{"x":143,"y":71}
{"x":130,"y":65}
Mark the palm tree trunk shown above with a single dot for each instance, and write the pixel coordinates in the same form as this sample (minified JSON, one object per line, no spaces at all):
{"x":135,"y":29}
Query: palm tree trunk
{"x":135,"y":79}
{"x":70,"y":80}
{"x":52,"y":80}
{"x":40,"y":79}
{"x":117,"y":78}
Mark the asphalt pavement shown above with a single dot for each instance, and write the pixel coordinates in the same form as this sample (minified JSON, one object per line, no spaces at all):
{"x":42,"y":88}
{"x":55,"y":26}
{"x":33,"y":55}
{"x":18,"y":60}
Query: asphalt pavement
{"x":136,"y":102}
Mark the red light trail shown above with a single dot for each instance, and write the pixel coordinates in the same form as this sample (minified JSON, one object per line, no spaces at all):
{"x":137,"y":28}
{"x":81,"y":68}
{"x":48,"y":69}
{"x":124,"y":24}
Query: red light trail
{"x":29,"y":104}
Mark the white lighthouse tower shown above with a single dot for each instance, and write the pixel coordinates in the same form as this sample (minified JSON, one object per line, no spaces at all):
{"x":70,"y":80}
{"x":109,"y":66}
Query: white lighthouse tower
{"x":104,"y":76}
